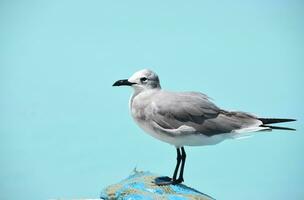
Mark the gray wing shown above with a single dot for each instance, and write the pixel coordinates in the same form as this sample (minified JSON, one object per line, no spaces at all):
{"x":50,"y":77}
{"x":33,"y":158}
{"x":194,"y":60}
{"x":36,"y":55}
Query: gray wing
{"x":172,"y":110}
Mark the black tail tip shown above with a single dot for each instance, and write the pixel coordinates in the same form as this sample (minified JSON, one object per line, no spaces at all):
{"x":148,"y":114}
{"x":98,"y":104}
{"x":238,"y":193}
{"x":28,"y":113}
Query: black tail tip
{"x":275,"y":120}
{"x":280,"y":128}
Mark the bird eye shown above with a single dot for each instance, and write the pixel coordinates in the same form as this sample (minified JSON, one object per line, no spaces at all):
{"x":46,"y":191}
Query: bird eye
{"x":143,"y":79}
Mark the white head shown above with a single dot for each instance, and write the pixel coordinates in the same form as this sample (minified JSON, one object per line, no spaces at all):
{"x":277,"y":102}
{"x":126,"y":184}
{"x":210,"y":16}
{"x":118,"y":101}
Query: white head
{"x":141,"y":80}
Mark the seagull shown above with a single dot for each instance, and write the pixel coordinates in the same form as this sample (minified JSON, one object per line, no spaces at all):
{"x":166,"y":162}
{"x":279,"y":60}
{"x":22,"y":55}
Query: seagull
{"x":187,"y":118}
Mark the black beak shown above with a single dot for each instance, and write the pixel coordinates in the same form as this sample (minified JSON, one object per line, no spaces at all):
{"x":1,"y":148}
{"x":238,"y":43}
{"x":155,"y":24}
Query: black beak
{"x":122,"y":82}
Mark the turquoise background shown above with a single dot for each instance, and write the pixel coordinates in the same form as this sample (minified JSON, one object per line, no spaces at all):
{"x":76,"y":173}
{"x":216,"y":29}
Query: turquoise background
{"x":66,"y":132}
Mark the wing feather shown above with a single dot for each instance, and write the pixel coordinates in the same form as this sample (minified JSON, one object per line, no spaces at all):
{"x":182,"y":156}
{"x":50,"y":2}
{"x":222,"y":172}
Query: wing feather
{"x":172,"y":110}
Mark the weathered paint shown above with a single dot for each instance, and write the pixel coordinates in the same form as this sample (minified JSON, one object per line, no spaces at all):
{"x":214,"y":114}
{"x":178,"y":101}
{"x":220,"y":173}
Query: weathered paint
{"x":141,"y":186}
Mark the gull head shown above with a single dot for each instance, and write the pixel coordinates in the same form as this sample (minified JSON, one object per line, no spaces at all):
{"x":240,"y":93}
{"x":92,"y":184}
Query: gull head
{"x":141,"y":80}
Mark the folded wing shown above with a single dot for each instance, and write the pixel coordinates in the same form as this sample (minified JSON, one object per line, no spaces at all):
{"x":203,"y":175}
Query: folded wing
{"x":172,"y":110}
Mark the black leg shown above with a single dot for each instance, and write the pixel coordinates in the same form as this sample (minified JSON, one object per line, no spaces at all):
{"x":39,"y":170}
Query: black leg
{"x":166,"y":180}
{"x":178,"y":160}
{"x":181,"y":173}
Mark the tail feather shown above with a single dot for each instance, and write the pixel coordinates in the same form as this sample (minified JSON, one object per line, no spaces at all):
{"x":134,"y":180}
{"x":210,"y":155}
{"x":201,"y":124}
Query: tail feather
{"x":279,"y":127}
{"x":267,"y":121}
{"x":274,"y":120}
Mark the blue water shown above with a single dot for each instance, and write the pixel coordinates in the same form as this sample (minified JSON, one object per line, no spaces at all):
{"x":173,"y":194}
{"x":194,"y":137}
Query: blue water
{"x":65,"y":132}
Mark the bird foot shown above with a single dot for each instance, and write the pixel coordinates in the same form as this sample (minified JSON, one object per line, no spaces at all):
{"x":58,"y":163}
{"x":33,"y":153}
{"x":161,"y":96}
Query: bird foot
{"x":165,"y":180}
